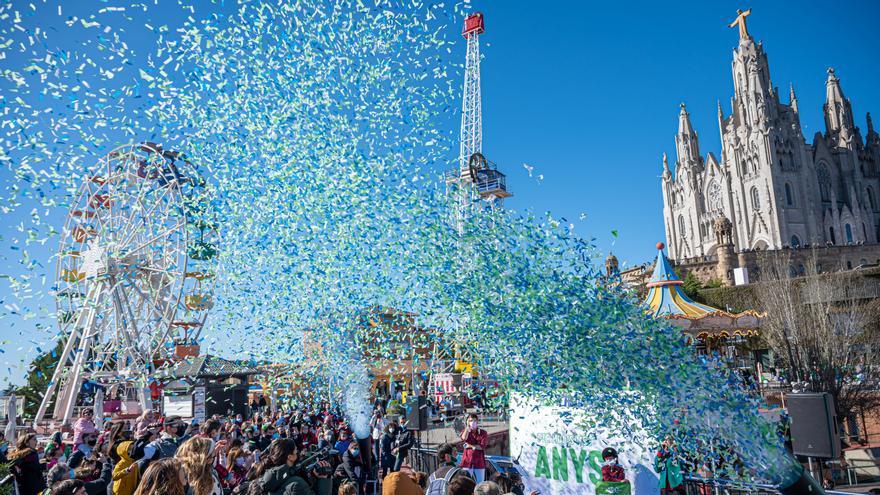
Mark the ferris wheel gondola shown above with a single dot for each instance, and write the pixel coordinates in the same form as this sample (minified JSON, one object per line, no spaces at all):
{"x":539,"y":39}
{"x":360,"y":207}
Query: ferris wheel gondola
{"x":122,"y":283}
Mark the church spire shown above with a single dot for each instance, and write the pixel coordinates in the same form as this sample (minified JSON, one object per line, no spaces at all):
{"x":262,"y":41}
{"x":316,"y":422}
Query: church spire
{"x":872,"y":139}
{"x":667,"y":174}
{"x":838,"y":112}
{"x":793,"y":98}
{"x":686,"y":142}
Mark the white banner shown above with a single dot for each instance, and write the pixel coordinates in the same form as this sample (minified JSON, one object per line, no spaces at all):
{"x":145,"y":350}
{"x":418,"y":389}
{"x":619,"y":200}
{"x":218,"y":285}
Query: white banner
{"x":178,"y":405}
{"x":563,"y":458}
{"x":199,"y":404}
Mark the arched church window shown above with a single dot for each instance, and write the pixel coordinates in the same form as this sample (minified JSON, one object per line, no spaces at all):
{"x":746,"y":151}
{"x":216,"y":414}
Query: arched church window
{"x":848,"y":232}
{"x":832,"y":236}
{"x":795,"y":241}
{"x":681,"y":227}
{"x":714,"y":194}
{"x":756,"y":199}
{"x":871,"y":199}
{"x":824,"y":178}
{"x":789,"y":195}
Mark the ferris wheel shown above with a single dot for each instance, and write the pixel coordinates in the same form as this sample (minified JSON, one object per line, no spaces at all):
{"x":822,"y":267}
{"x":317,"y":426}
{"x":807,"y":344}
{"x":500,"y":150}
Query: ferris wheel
{"x":135,"y":272}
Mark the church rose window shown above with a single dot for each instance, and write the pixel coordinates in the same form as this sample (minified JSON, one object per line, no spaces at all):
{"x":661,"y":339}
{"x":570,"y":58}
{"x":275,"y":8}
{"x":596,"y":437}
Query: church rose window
{"x":756,"y":199}
{"x":714,"y":196}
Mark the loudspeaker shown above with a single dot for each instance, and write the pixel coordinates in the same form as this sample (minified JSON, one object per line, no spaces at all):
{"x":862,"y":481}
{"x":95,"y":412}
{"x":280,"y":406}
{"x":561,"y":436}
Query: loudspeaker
{"x":417,"y":414}
{"x":813,"y":425}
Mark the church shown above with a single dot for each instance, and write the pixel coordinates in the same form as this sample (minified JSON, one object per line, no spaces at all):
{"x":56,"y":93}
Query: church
{"x":771,"y":189}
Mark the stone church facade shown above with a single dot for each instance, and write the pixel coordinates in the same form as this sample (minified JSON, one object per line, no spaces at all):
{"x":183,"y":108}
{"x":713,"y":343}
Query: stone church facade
{"x":771,"y":189}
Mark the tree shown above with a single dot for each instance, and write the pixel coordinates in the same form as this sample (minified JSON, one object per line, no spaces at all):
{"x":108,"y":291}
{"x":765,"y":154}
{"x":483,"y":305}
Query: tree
{"x":39,"y":374}
{"x":824,"y":326}
{"x":691,"y":285}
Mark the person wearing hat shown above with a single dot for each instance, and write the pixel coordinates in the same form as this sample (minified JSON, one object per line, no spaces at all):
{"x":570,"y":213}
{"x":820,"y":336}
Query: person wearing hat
{"x":173,"y":434}
{"x":611,"y":470}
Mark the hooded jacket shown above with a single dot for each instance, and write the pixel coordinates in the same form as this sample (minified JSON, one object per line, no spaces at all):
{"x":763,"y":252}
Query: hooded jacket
{"x":400,"y":484}
{"x":125,"y":481}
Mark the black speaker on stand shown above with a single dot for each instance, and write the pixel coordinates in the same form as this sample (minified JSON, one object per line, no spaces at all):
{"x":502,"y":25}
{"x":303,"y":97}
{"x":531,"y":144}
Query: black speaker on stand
{"x":417,"y":414}
{"x":814,"y":431}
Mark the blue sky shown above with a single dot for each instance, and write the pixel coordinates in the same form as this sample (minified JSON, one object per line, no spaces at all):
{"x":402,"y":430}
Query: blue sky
{"x":588,"y":94}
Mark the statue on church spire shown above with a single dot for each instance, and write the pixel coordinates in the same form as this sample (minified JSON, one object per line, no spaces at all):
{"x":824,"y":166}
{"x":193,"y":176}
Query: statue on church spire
{"x":741,"y":22}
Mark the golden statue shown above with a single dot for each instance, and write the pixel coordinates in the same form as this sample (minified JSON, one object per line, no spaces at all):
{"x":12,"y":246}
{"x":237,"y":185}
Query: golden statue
{"x":741,"y":22}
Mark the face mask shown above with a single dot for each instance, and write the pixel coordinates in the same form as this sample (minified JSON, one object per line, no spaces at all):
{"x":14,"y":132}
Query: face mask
{"x":610,"y":462}
{"x":239,"y":461}
{"x":355,"y":453}
{"x":275,"y":436}
{"x":72,"y":474}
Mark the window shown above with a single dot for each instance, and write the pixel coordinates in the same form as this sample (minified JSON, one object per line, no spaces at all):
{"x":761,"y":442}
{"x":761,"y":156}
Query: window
{"x":714,"y":193}
{"x":833,"y":238}
{"x":756,"y":199}
{"x":789,"y":196}
{"x":848,"y":231}
{"x":871,"y":199}
{"x":824,"y":179}
{"x":681,"y":229}
{"x":795,"y":242}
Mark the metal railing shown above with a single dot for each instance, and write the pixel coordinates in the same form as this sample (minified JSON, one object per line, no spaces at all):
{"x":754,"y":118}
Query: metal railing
{"x":717,"y":486}
{"x":10,"y":479}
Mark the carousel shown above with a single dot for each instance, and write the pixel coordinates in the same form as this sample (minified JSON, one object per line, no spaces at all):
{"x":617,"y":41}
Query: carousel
{"x":733,"y":336}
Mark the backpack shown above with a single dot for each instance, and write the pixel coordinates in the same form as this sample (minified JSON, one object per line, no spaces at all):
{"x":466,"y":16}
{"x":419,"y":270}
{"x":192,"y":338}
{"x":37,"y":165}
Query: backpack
{"x":439,"y":486}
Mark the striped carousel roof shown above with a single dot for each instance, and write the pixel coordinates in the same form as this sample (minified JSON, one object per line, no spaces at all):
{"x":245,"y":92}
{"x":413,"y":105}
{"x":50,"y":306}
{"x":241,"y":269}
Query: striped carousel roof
{"x":665,"y":294}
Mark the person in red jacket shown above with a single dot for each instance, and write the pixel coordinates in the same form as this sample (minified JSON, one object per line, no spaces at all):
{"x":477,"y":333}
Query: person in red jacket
{"x":473,"y":457}
{"x":611,"y":470}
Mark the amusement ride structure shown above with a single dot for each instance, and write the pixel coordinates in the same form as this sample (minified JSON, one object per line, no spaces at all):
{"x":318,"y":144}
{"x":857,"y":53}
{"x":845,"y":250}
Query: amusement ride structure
{"x":475,"y":177}
{"x":134,"y":277}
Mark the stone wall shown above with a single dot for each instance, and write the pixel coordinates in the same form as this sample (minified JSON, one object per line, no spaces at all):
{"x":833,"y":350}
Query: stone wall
{"x":828,"y":258}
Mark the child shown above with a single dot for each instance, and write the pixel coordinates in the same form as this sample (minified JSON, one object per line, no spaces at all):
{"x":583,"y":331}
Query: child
{"x":83,"y":425}
{"x":611,"y":470}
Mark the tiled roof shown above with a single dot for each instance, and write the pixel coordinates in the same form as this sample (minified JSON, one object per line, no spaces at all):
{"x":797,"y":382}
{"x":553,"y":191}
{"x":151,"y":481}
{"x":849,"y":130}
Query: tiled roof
{"x":206,"y":366}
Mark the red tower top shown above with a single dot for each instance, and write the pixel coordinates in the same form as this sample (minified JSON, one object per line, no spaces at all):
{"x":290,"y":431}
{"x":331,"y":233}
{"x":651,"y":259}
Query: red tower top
{"x":473,"y":24}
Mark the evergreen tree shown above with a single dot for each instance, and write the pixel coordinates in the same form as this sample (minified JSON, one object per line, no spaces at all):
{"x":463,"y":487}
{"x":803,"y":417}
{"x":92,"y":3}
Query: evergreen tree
{"x":691,"y":285}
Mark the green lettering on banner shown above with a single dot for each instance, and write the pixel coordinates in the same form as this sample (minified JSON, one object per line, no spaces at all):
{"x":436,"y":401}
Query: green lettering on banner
{"x":560,"y":464}
{"x":578,"y":462}
{"x":542,"y":467}
{"x":595,"y":461}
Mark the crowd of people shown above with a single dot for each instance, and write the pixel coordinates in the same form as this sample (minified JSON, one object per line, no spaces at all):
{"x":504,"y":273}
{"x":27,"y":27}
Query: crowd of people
{"x":297,"y":452}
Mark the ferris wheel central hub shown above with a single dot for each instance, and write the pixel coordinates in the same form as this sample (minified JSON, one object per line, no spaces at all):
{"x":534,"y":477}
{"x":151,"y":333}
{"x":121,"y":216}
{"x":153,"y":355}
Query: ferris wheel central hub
{"x":96,"y":262}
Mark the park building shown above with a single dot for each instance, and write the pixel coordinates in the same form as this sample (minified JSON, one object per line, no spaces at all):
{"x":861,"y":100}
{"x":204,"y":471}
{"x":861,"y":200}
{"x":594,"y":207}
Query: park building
{"x":771,"y":189}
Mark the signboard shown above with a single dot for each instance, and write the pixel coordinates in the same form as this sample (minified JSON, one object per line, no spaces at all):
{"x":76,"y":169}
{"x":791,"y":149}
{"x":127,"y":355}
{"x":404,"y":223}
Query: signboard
{"x":199,"y":404}
{"x":178,"y":405}
{"x":563,"y":457}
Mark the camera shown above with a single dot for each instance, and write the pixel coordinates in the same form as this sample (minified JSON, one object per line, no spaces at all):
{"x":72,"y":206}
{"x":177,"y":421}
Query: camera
{"x":313,"y":456}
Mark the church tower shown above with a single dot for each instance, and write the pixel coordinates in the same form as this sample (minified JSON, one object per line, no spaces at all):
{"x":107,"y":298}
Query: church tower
{"x":772,"y":189}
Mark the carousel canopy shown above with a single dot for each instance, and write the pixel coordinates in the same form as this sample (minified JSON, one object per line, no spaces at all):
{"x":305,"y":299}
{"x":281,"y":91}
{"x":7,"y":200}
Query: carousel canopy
{"x":666,"y":299}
